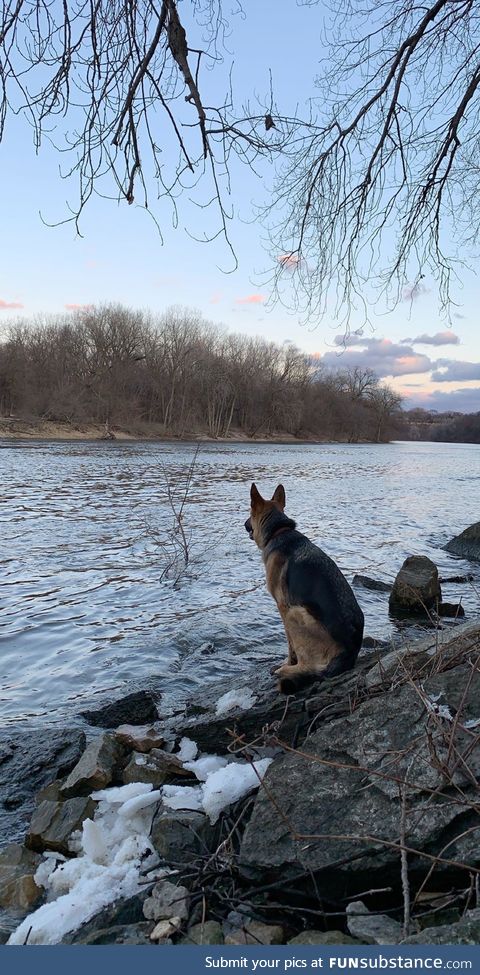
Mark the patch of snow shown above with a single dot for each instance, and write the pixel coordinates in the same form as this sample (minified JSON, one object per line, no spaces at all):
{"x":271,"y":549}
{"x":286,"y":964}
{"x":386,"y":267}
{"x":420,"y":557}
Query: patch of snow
{"x":231,"y":783}
{"x":138,"y":803}
{"x":205,"y":765}
{"x":187,"y":750}
{"x":141,"y":760}
{"x":112,"y":853}
{"x":242,"y":698}
{"x":471,"y":723}
{"x":183,"y":797}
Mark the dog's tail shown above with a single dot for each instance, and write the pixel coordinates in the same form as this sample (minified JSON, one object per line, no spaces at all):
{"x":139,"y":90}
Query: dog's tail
{"x":344,"y":661}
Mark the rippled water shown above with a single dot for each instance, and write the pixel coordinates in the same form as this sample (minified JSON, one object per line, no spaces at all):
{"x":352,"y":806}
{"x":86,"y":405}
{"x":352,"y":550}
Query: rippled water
{"x":86,"y":604}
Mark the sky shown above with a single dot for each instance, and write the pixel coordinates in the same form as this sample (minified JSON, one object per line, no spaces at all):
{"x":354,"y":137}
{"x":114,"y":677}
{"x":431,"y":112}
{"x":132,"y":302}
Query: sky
{"x":121,"y":257}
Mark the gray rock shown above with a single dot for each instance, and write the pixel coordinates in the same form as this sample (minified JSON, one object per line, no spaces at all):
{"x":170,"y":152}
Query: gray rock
{"x":178,"y":836}
{"x":256,"y":933}
{"x":451,"y":609}
{"x":96,"y":769}
{"x":124,"y":911}
{"x":313,"y":937}
{"x":416,"y":589}
{"x":439,"y":648}
{"x":463,"y":932}
{"x":365,"y":582}
{"x":446,"y":579}
{"x":466,"y":545}
{"x":119,"y":934}
{"x":29,"y":760}
{"x":376,"y":929}
{"x":138,"y":708}
{"x":164,"y":930}
{"x":334,"y":810}
{"x":208,"y":933}
{"x":18,"y":890}
{"x":140,"y":738}
{"x":145,"y":768}
{"x":165,"y":901}
{"x":53,"y":823}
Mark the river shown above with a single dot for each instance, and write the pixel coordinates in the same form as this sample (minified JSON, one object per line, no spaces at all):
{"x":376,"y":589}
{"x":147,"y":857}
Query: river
{"x":94,"y":598}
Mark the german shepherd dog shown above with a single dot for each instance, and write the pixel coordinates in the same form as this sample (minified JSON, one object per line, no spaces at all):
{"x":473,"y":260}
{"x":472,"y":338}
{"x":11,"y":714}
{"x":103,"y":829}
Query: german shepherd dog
{"x":322,"y":619}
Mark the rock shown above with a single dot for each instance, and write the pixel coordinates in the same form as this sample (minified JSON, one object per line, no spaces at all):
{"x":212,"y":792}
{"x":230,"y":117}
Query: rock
{"x":425,"y":655}
{"x":123,"y":912}
{"x":255,"y":933}
{"x":341,"y":799}
{"x":119,"y":934}
{"x":373,"y":643}
{"x":451,"y":609}
{"x":468,"y":578}
{"x":466,"y":545}
{"x":376,"y":929}
{"x":165,"y":929}
{"x":96,"y":769}
{"x":18,"y":890}
{"x":137,"y":709}
{"x":375,"y":584}
{"x":140,"y":739}
{"x":28,"y":762}
{"x":463,"y":932}
{"x":143,"y":768}
{"x":416,"y":589}
{"x":167,"y":900}
{"x":52,"y":792}
{"x":208,"y":933}
{"x":170,"y":764}
{"x":179,"y":836}
{"x":53,"y":823}
{"x":313,"y":937}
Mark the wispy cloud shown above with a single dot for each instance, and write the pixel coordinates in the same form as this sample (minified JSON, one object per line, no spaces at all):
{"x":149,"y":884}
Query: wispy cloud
{"x":439,"y":338}
{"x":74,"y":307}
{"x":250,"y":300}
{"x":413,"y":291}
{"x":290,"y":261}
{"x":7,"y":305}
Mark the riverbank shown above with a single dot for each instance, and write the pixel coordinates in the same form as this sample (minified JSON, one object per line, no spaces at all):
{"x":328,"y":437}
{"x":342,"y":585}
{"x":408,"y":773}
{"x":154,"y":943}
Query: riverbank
{"x":248,"y":817}
{"x":18,"y":429}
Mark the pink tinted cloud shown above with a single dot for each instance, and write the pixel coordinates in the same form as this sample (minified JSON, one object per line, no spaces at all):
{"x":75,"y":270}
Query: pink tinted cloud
{"x":250,"y":300}
{"x":215,"y":298}
{"x":5,"y":305}
{"x":74,"y":307}
{"x":289,"y":260}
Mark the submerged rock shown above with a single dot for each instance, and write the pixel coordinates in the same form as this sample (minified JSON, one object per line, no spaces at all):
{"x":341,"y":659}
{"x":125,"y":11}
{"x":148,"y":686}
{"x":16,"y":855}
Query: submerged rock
{"x":466,"y":545}
{"x":138,"y":708}
{"x":374,"y":584}
{"x":416,"y":589}
{"x":29,"y":760}
{"x":18,"y":890}
{"x":454,"y":610}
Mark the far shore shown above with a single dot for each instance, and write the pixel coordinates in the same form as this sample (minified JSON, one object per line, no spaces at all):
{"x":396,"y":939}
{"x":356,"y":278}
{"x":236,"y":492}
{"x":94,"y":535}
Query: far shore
{"x":13,"y":428}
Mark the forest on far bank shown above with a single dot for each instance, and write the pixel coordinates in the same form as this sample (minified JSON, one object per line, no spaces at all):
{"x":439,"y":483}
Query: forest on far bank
{"x":132,"y":369}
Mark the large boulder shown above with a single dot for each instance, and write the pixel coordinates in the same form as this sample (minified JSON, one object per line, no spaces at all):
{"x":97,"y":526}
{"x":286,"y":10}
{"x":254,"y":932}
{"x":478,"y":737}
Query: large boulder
{"x":53,"y":823}
{"x":333,"y":808}
{"x":29,"y":760}
{"x":416,"y":589}
{"x":466,"y":545}
{"x":18,"y":889}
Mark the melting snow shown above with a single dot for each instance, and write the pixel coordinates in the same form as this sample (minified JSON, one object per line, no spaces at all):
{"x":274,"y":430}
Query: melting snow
{"x":243,"y":699}
{"x":187,"y":750}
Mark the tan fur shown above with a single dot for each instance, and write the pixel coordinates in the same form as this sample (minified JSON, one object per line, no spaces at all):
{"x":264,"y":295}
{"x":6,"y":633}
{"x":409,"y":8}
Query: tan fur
{"x":310,"y":646}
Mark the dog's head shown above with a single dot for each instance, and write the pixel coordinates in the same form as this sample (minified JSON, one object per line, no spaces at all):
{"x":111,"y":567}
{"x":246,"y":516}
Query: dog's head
{"x":261,"y":512}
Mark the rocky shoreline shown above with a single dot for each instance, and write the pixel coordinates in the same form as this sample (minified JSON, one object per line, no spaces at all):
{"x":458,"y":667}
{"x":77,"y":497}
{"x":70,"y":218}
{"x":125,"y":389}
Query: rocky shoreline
{"x":349,"y":814}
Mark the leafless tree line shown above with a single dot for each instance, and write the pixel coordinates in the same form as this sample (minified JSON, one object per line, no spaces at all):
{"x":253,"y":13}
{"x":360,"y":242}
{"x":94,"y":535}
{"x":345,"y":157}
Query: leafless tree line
{"x":115,"y":366}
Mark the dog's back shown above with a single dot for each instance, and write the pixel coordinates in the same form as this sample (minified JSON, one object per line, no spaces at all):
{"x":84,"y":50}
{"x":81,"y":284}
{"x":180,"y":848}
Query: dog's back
{"x":313,"y":581}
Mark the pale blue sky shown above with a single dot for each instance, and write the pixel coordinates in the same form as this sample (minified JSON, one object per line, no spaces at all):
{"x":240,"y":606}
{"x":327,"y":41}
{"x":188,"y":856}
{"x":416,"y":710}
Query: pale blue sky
{"x":120,"y":257}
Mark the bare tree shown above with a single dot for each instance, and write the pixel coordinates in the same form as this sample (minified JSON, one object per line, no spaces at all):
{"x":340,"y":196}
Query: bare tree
{"x":382,"y":192}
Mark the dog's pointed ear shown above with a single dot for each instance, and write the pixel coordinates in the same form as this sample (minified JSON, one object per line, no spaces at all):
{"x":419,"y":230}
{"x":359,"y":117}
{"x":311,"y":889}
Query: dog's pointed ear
{"x":255,"y":496}
{"x":279,"y":496}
